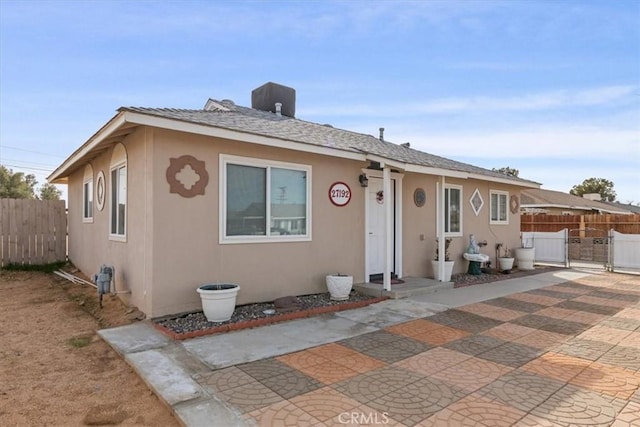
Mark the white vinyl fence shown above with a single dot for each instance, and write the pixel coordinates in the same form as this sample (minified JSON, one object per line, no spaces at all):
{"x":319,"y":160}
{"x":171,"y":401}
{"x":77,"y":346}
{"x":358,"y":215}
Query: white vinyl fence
{"x":625,"y":251}
{"x":551,"y":247}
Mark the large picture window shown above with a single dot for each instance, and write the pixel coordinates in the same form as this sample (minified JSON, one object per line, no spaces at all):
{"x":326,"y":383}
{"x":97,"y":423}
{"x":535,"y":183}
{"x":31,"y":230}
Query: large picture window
{"x":453,"y":210}
{"x":264,"y":201}
{"x":499,"y":210}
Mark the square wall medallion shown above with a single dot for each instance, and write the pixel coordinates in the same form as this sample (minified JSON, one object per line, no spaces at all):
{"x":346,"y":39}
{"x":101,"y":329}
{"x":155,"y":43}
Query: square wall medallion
{"x":476,"y":202}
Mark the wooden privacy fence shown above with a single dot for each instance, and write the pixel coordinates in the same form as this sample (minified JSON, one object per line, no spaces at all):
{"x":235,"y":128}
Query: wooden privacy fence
{"x":627,"y":224}
{"x":32,"y":231}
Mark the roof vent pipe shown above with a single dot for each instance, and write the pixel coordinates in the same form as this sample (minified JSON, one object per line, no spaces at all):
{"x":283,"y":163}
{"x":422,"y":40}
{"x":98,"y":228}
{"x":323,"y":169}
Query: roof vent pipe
{"x":279,"y":109}
{"x":381,"y":134}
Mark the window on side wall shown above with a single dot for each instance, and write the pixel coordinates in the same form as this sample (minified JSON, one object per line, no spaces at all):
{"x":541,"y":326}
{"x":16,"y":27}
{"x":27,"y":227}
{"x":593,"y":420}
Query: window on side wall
{"x":264,"y":201}
{"x":118,"y":195}
{"x":87,"y":195}
{"x":499,"y":207}
{"x":453,"y":210}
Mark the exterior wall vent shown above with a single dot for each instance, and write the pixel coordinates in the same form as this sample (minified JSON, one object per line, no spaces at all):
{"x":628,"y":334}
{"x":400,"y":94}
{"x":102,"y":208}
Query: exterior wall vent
{"x":266,"y":96}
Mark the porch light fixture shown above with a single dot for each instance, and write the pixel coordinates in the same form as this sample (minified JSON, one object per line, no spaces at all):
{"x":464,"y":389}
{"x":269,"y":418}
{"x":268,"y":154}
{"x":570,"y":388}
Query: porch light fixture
{"x":364,"y":181}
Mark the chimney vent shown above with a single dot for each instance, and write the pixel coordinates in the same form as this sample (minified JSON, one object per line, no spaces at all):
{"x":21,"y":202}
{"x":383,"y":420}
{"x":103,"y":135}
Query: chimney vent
{"x":406,"y":145}
{"x":381,"y":134}
{"x":266,"y":96}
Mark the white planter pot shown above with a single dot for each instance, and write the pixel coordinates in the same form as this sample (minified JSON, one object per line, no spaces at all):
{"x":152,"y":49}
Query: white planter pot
{"x":525,"y":258}
{"x":339,"y":286}
{"x":505,"y":263}
{"x":448,"y":269}
{"x":218,"y":300}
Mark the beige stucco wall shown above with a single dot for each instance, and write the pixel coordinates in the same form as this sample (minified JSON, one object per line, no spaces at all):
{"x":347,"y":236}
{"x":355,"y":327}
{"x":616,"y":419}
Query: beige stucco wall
{"x":420,"y":222}
{"x":89,"y":243}
{"x":173,"y":243}
{"x":187,"y":252}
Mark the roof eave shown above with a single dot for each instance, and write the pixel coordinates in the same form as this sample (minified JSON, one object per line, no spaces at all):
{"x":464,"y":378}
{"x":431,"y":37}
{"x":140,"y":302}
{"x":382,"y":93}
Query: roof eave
{"x":60,"y":174}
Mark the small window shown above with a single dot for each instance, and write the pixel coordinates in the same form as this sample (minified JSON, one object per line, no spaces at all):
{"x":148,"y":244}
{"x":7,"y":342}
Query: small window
{"x":87,"y":195}
{"x":453,"y":210}
{"x":499,"y":207}
{"x":264,"y":201}
{"x":118,"y":194}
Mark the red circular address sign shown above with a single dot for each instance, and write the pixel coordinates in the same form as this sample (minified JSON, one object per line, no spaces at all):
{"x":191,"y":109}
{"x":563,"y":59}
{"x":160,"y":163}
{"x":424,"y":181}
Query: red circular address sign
{"x":339,"y":194}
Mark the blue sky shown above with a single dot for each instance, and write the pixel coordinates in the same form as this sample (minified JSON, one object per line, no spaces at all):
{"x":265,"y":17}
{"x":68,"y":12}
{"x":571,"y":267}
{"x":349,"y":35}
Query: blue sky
{"x":551,"y":88}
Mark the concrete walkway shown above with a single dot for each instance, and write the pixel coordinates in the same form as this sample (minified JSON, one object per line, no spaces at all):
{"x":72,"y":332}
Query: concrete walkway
{"x":181,"y":373}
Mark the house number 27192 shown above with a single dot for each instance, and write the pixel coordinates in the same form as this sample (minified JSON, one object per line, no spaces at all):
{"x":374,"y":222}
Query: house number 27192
{"x":339,"y":194}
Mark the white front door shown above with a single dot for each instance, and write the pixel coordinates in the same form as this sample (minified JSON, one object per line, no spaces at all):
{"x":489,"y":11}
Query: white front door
{"x":375,"y":250}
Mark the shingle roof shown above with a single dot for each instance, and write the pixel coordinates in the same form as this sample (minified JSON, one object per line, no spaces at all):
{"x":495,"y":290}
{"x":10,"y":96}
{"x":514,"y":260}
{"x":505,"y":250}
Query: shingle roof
{"x":540,"y":197}
{"x":226,"y":115}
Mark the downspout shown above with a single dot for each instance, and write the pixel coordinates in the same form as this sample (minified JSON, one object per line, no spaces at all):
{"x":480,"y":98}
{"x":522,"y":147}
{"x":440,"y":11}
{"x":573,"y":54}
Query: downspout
{"x":440,"y":226}
{"x":388,"y":243}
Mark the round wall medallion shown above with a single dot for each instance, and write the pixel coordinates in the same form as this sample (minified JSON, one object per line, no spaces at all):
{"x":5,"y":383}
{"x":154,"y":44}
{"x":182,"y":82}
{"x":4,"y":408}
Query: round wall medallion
{"x":340,"y":194}
{"x":514,"y":204}
{"x":419,"y":197}
{"x":101,"y":190}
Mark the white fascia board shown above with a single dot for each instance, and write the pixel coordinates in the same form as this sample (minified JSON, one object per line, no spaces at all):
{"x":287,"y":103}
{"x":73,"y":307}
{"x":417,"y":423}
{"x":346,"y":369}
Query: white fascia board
{"x":426,"y":170}
{"x":104,"y":132}
{"x":505,"y":181}
{"x":163,"y":123}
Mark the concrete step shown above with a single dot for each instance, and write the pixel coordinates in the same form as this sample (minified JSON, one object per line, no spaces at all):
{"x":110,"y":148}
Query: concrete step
{"x":412,"y":286}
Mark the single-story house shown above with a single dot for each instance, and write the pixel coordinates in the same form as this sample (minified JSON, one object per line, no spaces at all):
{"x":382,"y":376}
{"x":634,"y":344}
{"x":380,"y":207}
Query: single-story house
{"x":539,"y":201}
{"x":175,"y":198}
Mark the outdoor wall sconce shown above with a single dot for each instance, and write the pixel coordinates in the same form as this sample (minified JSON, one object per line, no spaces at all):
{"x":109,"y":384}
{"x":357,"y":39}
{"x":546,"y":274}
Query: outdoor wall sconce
{"x":364,"y":181}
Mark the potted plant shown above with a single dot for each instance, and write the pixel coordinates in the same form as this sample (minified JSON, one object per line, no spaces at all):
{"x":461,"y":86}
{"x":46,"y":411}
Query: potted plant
{"x":339,"y":286}
{"x":505,"y":262}
{"x":448,"y":264}
{"x":525,"y":256}
{"x":218,"y":300}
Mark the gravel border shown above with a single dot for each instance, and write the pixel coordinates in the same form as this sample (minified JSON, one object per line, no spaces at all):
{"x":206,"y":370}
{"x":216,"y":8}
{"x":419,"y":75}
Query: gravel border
{"x":245,"y":313}
{"x":195,"y":324}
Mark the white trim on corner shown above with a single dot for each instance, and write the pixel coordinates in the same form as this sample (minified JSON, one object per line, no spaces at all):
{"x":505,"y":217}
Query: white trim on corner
{"x":506,"y":196}
{"x":225,"y":159}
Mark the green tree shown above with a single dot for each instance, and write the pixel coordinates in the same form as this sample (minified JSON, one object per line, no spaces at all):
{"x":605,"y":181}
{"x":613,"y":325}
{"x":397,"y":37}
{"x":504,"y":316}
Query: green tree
{"x":16,"y":185}
{"x":602,"y":186}
{"x":507,"y":171}
{"x":49,"y":192}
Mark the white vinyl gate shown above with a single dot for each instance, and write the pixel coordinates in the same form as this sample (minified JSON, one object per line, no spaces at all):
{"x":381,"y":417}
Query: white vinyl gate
{"x":553,"y":248}
{"x":625,"y":251}
{"x":550,"y":247}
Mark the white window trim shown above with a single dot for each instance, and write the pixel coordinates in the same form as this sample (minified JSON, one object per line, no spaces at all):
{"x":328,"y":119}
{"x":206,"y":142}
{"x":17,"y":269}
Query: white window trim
{"x":118,"y":237}
{"x":226,"y":159}
{"x":506,"y":196}
{"x":456,"y":233}
{"x":87,"y":219}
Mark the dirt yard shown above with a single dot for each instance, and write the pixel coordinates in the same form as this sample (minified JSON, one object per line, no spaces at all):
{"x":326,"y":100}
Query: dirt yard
{"x":54,"y":369}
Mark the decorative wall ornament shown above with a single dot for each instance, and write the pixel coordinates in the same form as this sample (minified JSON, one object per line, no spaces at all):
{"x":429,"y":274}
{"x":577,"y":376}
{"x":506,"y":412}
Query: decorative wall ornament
{"x":187,"y":176}
{"x":101,"y":191}
{"x":419,"y":197}
{"x":340,"y":194}
{"x":380,"y":197}
{"x":514,"y":204}
{"x":476,"y":202}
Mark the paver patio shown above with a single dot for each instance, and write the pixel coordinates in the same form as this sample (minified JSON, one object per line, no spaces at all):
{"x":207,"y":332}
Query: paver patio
{"x":565,"y":355}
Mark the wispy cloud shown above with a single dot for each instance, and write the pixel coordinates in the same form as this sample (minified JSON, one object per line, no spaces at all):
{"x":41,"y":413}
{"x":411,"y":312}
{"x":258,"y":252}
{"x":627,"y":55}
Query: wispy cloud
{"x":567,"y":143}
{"x":549,"y":100}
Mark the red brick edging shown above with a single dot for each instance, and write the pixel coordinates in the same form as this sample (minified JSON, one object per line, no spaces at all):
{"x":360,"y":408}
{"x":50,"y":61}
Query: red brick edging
{"x":267,"y":320}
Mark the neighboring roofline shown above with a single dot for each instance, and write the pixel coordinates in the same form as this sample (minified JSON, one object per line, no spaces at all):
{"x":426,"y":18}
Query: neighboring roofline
{"x":560,"y":206}
{"x":124,"y":117}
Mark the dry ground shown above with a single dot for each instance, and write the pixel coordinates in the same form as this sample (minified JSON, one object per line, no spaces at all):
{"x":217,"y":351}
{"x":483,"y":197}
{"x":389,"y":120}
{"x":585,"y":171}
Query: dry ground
{"x":54,"y":369}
